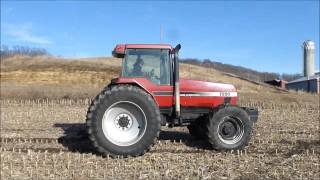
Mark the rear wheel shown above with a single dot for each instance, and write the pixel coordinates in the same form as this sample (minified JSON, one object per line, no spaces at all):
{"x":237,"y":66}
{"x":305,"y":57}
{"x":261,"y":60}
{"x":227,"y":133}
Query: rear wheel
{"x":229,"y":128}
{"x":123,"y":120}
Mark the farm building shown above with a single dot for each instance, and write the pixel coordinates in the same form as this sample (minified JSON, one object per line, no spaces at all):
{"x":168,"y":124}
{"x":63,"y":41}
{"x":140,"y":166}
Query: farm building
{"x":310,"y":81}
{"x":309,"y":84}
{"x":277,"y":82}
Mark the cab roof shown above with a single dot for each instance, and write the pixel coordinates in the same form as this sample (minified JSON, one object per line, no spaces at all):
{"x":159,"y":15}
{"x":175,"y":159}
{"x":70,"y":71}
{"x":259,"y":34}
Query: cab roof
{"x":148,"y":46}
{"x":120,"y":49}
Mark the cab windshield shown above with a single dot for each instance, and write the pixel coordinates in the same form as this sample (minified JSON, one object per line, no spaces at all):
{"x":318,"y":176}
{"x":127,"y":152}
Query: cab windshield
{"x":152,"y":64}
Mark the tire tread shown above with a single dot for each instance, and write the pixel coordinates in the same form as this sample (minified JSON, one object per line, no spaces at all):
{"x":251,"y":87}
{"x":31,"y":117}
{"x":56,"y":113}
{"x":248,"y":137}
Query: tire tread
{"x":104,"y":95}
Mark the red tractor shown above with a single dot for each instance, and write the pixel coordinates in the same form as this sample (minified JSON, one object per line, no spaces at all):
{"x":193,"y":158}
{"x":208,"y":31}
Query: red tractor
{"x":125,"y":118}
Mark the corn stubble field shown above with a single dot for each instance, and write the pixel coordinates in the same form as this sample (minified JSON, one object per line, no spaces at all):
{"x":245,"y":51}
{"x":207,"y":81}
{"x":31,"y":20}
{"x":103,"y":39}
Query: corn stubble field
{"x":43,"y":136}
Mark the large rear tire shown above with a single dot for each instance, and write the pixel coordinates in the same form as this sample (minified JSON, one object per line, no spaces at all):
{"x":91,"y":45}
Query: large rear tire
{"x":229,"y":128}
{"x":123,"y":120}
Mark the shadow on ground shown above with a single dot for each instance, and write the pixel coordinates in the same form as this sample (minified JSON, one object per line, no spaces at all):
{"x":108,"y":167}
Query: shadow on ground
{"x":75,"y":138}
{"x":185,"y":138}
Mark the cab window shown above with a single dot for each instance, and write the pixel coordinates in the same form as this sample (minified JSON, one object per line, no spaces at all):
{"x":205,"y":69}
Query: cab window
{"x":152,"y":64}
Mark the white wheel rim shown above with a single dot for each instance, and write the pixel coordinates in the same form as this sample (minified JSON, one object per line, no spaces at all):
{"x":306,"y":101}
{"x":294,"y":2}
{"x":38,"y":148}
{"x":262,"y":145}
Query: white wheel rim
{"x":239,"y":130}
{"x":124,"y":123}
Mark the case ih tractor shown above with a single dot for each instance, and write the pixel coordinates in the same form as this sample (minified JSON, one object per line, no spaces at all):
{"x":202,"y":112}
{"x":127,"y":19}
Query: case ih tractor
{"x":125,"y":118}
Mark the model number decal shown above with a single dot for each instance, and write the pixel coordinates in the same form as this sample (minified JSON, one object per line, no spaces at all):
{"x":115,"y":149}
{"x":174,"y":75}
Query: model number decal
{"x":225,"y":94}
{"x":199,"y":94}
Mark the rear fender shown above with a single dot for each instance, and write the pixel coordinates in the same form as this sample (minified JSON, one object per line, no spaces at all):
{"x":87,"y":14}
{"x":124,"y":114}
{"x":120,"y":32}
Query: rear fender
{"x":132,"y":82}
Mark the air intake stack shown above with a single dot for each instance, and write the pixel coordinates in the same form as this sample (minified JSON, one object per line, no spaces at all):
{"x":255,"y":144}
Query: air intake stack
{"x":308,"y":58}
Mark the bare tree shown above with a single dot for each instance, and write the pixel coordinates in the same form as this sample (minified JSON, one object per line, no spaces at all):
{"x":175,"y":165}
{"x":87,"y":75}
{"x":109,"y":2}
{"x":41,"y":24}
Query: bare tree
{"x":6,"y":51}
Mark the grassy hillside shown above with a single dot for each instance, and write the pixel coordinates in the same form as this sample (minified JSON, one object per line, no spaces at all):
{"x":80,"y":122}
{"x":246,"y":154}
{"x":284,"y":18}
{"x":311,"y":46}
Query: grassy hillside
{"x":52,"y":77}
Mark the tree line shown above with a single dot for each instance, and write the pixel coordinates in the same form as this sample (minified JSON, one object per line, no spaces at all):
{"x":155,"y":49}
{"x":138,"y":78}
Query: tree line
{"x":7,"y":51}
{"x":242,"y":71}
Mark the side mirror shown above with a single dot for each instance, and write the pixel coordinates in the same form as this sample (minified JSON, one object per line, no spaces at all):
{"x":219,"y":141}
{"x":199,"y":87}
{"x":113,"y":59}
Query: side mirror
{"x":119,"y":51}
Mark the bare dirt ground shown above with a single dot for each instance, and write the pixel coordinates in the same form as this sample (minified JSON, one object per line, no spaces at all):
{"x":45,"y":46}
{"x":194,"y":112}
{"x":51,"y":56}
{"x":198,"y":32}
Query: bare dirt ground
{"x":43,"y":107}
{"x":46,"y":139}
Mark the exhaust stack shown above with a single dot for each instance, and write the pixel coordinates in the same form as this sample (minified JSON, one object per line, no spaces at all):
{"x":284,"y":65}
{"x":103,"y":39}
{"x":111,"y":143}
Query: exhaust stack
{"x":176,"y":80}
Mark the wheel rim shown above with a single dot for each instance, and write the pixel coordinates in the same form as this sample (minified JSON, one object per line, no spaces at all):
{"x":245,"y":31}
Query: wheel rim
{"x":124,"y":123}
{"x":230,"y":130}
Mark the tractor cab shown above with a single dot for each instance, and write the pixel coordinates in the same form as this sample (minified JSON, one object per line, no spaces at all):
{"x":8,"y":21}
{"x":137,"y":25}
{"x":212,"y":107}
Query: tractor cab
{"x":150,"y":61}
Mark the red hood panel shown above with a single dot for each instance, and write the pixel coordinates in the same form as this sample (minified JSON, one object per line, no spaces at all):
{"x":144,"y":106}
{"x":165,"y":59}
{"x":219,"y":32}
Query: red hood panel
{"x":187,"y":85}
{"x":191,"y":92}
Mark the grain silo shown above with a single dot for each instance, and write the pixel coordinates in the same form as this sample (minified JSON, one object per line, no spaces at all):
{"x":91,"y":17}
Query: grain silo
{"x":311,"y":80}
{"x":308,"y":58}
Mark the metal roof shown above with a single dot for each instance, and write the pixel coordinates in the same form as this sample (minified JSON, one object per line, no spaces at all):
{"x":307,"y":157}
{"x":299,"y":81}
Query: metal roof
{"x":305,"y":79}
{"x":309,"y":45}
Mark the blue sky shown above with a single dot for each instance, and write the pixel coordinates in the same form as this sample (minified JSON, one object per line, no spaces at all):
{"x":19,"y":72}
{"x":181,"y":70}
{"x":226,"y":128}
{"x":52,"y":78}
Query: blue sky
{"x":262,"y":35}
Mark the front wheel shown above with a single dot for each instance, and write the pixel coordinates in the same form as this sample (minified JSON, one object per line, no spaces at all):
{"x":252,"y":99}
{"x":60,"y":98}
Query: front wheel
{"x":229,"y":128}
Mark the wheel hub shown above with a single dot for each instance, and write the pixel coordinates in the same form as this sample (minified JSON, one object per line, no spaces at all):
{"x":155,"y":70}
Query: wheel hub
{"x":123,"y":121}
{"x":228,"y":129}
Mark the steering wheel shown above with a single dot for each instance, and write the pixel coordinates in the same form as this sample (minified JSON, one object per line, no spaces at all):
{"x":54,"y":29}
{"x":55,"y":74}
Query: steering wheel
{"x":151,"y":75}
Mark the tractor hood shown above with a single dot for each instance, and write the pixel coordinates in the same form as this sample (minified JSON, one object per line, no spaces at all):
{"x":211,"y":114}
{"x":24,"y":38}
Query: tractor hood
{"x":187,"y":85}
